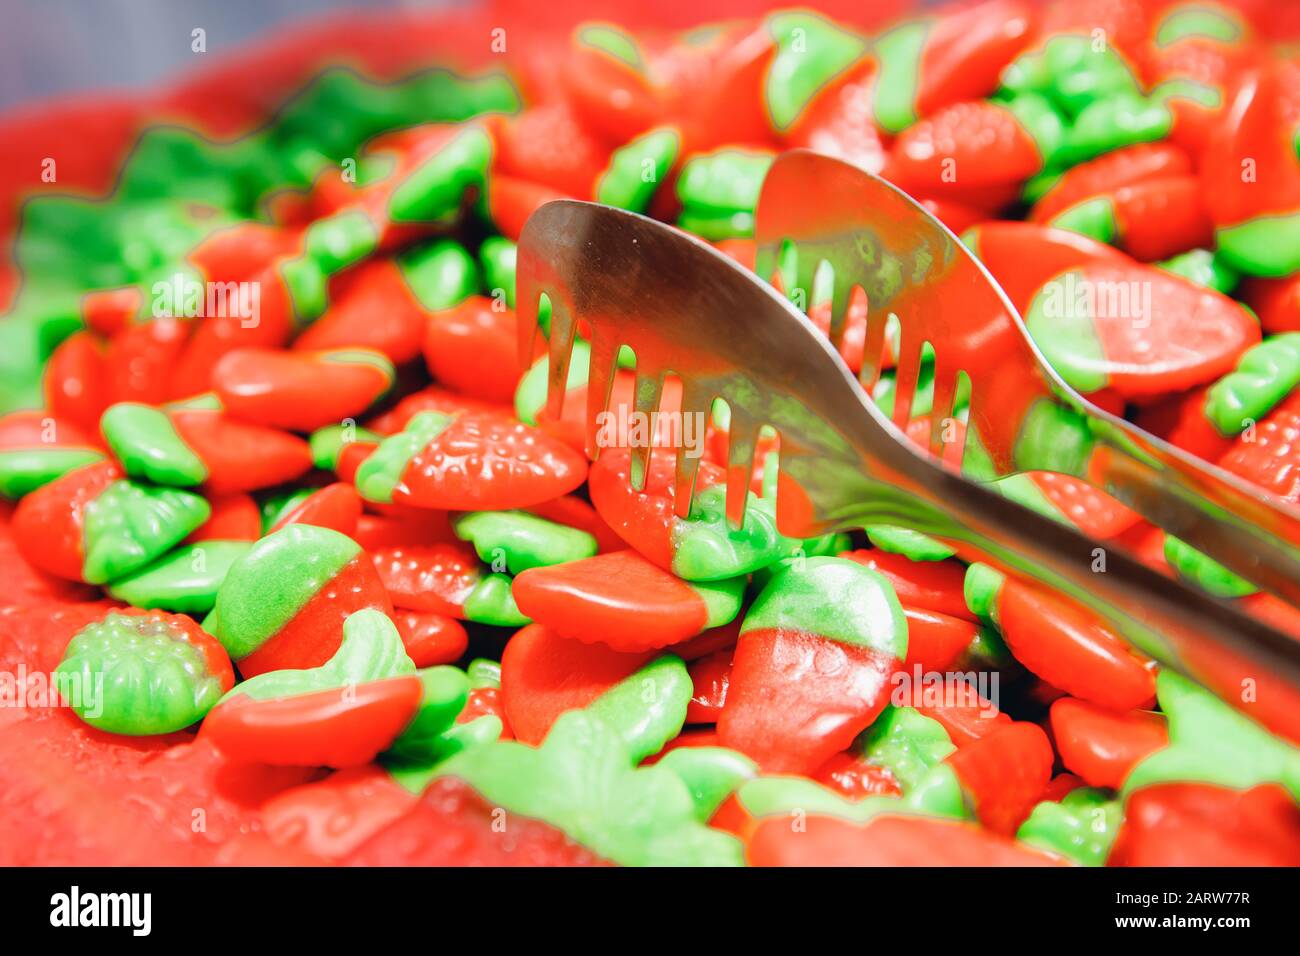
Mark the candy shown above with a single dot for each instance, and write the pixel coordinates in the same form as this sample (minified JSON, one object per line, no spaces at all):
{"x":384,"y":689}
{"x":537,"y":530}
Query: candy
{"x":1081,"y":826}
{"x":1136,"y":330}
{"x":1070,"y":649}
{"x":623,"y":601}
{"x":719,"y":191}
{"x":832,"y":618}
{"x":468,"y":462}
{"x":431,"y":638}
{"x":358,"y":239}
{"x":76,"y":381}
{"x":339,"y":713}
{"x":234,"y":517}
{"x":580,"y":781}
{"x":1003,"y":773}
{"x":186,"y":579}
{"x":700,"y":547}
{"x":336,"y":506}
{"x":92,"y":525}
{"x":522,"y":540}
{"x":810,"y":52}
{"x":284,"y":389}
{"x":35,"y":449}
{"x":383,"y":304}
{"x":144,"y":672}
{"x":471,"y":348}
{"x":1268,"y":458}
{"x":1255,"y":207}
{"x":235,"y":456}
{"x":944,"y":155}
{"x":1153,"y":219}
{"x":327,"y":443}
{"x":635,"y":170}
{"x":283,"y":604}
{"x":1102,"y":746}
{"x":149,"y":447}
{"x":447,"y":579}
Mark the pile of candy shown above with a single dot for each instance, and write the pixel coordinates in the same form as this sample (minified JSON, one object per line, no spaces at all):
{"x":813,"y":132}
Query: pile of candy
{"x":302,"y":548}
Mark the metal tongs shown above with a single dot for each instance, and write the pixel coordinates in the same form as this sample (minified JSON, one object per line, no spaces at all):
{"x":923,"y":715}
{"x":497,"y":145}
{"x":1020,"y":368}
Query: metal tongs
{"x":688,"y":311}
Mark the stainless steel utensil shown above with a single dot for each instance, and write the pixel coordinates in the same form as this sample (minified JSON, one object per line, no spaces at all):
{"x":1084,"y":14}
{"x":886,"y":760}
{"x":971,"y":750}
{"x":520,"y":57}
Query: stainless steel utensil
{"x":689,"y":311}
{"x":1022,"y":414}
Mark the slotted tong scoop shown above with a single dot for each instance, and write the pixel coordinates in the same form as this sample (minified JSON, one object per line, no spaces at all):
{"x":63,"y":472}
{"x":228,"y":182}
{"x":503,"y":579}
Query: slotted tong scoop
{"x":688,"y":311}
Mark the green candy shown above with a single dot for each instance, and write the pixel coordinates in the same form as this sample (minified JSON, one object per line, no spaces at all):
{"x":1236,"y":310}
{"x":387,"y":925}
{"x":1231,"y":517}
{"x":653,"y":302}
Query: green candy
{"x":710,"y":773}
{"x":899,"y":53}
{"x":706,"y":548}
{"x":719,"y":191}
{"x":441,"y":273}
{"x":435,"y":189}
{"x":444,"y":691}
{"x":1197,"y":21}
{"x":491,"y":602}
{"x":521,"y":540}
{"x":834,"y":598}
{"x":184,"y":580}
{"x":1265,"y":374}
{"x":982,"y":586}
{"x":1082,"y":826}
{"x":149,"y":447}
{"x":1264,"y":246}
{"x":1053,"y":438}
{"x":1070,"y":72}
{"x":341,"y":240}
{"x":636,"y":170}
{"x":496,"y":257}
{"x":379,"y":474}
{"x":530,"y":393}
{"x":647,"y":709}
{"x":1205,"y":268}
{"x":1042,"y":122}
{"x":308,"y":286}
{"x":136,"y":678}
{"x":986,"y":652}
{"x":581,"y":781}
{"x":936,"y":794}
{"x":371,"y":650}
{"x":1121,"y":120}
{"x":484,"y":673}
{"x":415,"y":773}
{"x":827,"y":545}
{"x":1021,"y":489}
{"x":911,"y":544}
{"x":273,"y":580}
{"x":1210,"y":742}
{"x":279,"y":503}
{"x":23,"y":470}
{"x":1207,"y":573}
{"x":907,"y":744}
{"x":129,"y":524}
{"x":1065,"y":333}
{"x":810,"y":52}
{"x":608,"y":39}
{"x":1094,"y":218}
{"x":327,"y":443}
{"x":722,"y":599}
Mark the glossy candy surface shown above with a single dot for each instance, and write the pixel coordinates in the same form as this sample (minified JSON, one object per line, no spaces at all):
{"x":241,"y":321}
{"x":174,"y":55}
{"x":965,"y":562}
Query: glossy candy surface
{"x":260,"y":382}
